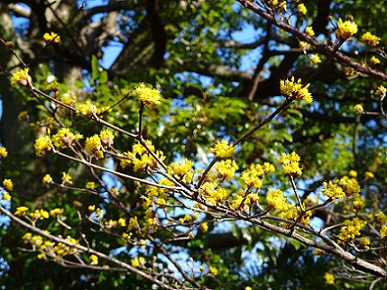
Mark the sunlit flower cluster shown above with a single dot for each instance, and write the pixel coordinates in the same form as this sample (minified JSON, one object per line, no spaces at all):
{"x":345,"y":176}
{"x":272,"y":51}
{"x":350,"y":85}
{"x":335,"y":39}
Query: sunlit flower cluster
{"x":358,"y":109}
{"x":345,"y":29}
{"x":374,"y":60}
{"x":381,"y":91}
{"x":51,"y":37}
{"x":309,"y":31}
{"x":293,"y":89}
{"x":86,"y":110}
{"x":275,"y":199}
{"x":3,"y":152}
{"x":301,"y":9}
{"x":252,"y":175}
{"x":351,"y":229}
{"x":182,"y":169}
{"x":65,"y":138}
{"x":8,"y":184}
{"x":329,"y":278}
{"x":94,"y":147}
{"x":370,"y":39}
{"x":290,"y":163}
{"x":226,"y":169}
{"x":314,"y":59}
{"x":43,"y":144}
{"x":222,"y":149}
{"x":21,"y":78}
{"x":147,"y":95}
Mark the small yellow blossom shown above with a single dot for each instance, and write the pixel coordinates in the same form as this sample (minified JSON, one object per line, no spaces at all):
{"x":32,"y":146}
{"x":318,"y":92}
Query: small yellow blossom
{"x":3,"y":152}
{"x":66,"y":178}
{"x":301,"y":9}
{"x":6,"y":196}
{"x":383,"y":231}
{"x":148,"y":95}
{"x":304,"y":45}
{"x":370,"y":39}
{"x":345,"y":29}
{"x":332,"y":190}
{"x":358,"y":109}
{"x":65,"y":138}
{"x":21,"y":78}
{"x":68,"y":99}
{"x":223,"y":150}
{"x":318,"y":252}
{"x":309,"y":31}
{"x":365,"y":242}
{"x":329,"y":278}
{"x":380,"y":218}
{"x":213,"y":270}
{"x":248,"y":288}
{"x":51,"y":37}
{"x":275,"y":199}
{"x":36,"y":240}
{"x":381,"y":91}
{"x":56,"y":212}
{"x":350,"y":185}
{"x":352,"y":173}
{"x":93,"y":146}
{"x":290,"y":163}
{"x":107,"y":138}
{"x":91,"y":208}
{"x":136,"y":262}
{"x":203,"y":227}
{"x":26,"y":237}
{"x":226,"y":169}
{"x":47,"y":179}
{"x":23,"y":116}
{"x":21,"y":210}
{"x":8,"y":184}
{"x":374,"y":60}
{"x":350,"y":229}
{"x":93,"y":259}
{"x":121,"y":222}
{"x":314,"y":59}
{"x":180,"y":168}
{"x":43,"y":144}
{"x":296,"y":90}
{"x":86,"y":110}
{"x":90,"y":185}
{"x":369,"y":174}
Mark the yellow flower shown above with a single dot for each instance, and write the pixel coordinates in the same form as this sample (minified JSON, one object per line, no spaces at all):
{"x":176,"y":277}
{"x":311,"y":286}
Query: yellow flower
{"x":333,"y":190}
{"x":21,"y":78}
{"x":369,"y":174}
{"x":6,"y":196}
{"x":365,"y":242}
{"x":66,"y":178}
{"x":329,"y":278}
{"x":23,"y":116}
{"x":223,"y":150}
{"x":314,"y":59}
{"x":3,"y":152}
{"x":56,"y":212}
{"x":309,"y":31}
{"x":383,"y":231}
{"x":21,"y":210}
{"x":276,"y":200}
{"x":107,"y":138}
{"x":136,"y":262}
{"x":350,"y":229}
{"x":148,"y":95}
{"x":213,"y":270}
{"x":294,"y":89}
{"x":304,"y":45}
{"x":68,"y":99}
{"x":121,"y":222}
{"x":374,"y":60}
{"x":180,"y":168}
{"x":65,"y":138}
{"x":51,"y":37}
{"x":47,"y":179}
{"x":290,"y":163}
{"x":370,"y":39}
{"x":301,"y":9}
{"x":226,"y":169}
{"x":93,"y":146}
{"x":42,"y":144}
{"x":350,"y":185}
{"x":90,"y":185}
{"x":352,"y":173}
{"x":380,"y":218}
{"x":345,"y":29}
{"x":91,"y":208}
{"x":93,"y":259}
{"x":381,"y":91}
{"x":8,"y":184}
{"x":203,"y":227}
{"x":86,"y":110}
{"x":358,"y":109}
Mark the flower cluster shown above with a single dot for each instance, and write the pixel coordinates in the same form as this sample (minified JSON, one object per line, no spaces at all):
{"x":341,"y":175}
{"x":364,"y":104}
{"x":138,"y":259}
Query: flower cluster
{"x":222,"y":149}
{"x":350,"y":229}
{"x":51,"y":37}
{"x":290,"y":163}
{"x":147,"y":95}
{"x":252,"y":175}
{"x":301,"y":9}
{"x":345,"y":29}
{"x":65,"y":138}
{"x":370,"y":39}
{"x":21,"y":78}
{"x":296,"y":90}
{"x":3,"y":152}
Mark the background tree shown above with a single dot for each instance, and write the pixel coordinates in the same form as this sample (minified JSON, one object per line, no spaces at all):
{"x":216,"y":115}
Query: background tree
{"x":215,"y":87}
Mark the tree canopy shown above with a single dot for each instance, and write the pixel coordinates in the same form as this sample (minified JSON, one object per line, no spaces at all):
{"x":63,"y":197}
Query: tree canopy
{"x":193,"y":144}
